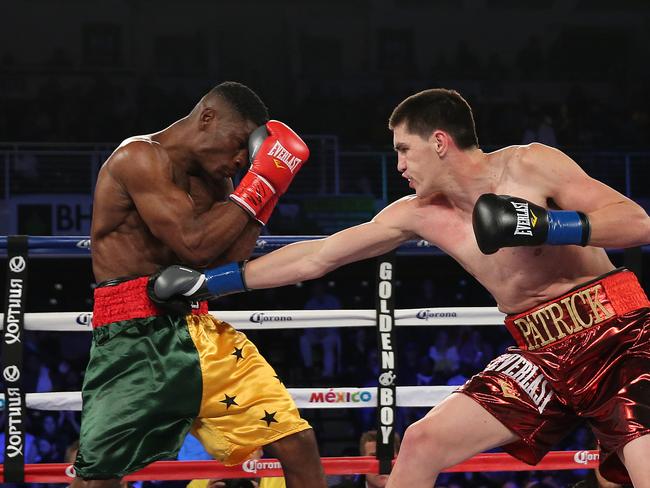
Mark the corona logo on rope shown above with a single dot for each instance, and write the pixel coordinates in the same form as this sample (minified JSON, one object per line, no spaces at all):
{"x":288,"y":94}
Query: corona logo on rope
{"x":252,"y":465}
{"x":69,"y":471}
{"x":261,"y":317}
{"x":583,"y":457}
{"x":84,"y":318}
{"x":430,"y":314}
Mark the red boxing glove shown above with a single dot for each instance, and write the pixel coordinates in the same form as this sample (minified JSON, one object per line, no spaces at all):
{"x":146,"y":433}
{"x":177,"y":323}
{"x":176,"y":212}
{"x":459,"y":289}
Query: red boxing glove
{"x":275,"y":162}
{"x":264,"y":215}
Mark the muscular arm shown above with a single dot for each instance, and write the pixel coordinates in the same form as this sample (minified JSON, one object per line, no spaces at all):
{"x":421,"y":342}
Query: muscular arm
{"x":242,"y":247}
{"x":616,"y":221}
{"x":169,"y":212}
{"x":244,"y":244}
{"x":311,"y":259}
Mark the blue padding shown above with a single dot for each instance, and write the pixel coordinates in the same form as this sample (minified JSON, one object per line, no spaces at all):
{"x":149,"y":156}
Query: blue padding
{"x":564,"y":227}
{"x":225,"y":279}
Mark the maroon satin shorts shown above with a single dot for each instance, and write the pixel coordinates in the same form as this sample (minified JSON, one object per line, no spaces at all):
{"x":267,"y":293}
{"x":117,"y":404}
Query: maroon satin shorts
{"x":582,"y":356}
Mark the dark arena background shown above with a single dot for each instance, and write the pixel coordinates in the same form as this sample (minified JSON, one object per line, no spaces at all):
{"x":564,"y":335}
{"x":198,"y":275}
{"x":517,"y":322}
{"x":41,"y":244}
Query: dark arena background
{"x":77,"y":77}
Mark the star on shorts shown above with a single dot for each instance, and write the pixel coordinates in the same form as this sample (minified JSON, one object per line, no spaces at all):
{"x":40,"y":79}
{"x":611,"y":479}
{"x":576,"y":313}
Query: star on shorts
{"x":229,"y":401}
{"x":238,"y":353}
{"x":269,"y":418}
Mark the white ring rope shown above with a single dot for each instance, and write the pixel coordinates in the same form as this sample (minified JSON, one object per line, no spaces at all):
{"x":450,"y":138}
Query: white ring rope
{"x":340,"y":397}
{"x":407,"y":396}
{"x":344,"y":397}
{"x":293,"y":319}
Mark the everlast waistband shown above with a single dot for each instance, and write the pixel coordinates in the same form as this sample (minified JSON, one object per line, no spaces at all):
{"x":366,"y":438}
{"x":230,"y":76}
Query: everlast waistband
{"x":128,"y":300}
{"x":593,"y":303}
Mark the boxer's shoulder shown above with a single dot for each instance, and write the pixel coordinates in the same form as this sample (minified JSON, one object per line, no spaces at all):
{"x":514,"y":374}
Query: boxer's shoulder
{"x":139,"y":148}
{"x":138,"y":156}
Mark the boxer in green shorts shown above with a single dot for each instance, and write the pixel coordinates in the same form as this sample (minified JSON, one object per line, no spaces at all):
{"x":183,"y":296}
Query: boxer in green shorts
{"x":157,"y":372}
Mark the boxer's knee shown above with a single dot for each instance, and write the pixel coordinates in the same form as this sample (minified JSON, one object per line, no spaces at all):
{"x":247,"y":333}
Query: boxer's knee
{"x":427,"y":441}
{"x":293,"y":450}
{"x":300,"y":460}
{"x":634,"y":456}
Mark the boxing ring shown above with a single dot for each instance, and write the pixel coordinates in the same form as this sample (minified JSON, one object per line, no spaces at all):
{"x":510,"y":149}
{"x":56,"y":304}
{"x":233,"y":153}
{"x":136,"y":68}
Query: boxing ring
{"x":386,"y":397}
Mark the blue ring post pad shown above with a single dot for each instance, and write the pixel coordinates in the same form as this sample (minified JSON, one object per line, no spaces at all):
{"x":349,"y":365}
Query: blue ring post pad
{"x":565,"y":227}
{"x":225,"y":279}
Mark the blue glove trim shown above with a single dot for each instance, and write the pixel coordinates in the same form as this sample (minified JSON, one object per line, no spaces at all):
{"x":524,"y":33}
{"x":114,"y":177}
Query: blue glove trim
{"x":566,"y":227}
{"x":225,"y":280}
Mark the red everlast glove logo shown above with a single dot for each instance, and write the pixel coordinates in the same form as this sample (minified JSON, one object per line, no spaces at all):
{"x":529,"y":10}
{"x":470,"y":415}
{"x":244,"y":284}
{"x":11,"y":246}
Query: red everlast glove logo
{"x":278,"y":152}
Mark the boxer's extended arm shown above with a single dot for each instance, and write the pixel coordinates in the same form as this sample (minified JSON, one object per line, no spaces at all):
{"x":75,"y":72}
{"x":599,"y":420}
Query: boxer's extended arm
{"x":293,"y":263}
{"x":307,"y":260}
{"x":146,"y":174}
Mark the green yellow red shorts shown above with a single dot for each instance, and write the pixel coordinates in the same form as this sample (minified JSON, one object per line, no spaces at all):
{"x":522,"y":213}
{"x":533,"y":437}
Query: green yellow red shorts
{"x":152,"y":378}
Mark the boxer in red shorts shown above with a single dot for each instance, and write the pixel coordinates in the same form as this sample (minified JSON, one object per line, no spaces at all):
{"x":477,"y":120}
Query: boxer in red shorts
{"x":582,"y":327}
{"x":578,"y":356}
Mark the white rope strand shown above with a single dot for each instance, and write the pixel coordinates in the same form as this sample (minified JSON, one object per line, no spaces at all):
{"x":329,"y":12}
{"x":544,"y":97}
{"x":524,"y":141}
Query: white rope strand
{"x":407,"y":396}
{"x":294,"y":319}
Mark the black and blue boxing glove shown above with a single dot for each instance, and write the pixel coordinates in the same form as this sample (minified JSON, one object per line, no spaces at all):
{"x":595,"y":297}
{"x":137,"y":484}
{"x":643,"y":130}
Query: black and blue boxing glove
{"x":505,"y":221}
{"x":173,"y":288}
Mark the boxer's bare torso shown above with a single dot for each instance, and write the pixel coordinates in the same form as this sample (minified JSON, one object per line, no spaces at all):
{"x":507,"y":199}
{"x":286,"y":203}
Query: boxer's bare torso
{"x":161,"y":199}
{"x":518,"y":278}
{"x":122,"y":243}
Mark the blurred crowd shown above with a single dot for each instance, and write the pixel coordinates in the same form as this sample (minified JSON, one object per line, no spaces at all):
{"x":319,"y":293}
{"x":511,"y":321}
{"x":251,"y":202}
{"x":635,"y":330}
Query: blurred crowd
{"x":545,"y":93}
{"x":101,"y":110}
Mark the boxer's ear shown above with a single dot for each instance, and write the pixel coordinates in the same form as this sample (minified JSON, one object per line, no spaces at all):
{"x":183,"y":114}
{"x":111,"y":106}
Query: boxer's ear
{"x":440,"y":141}
{"x":206,"y":117}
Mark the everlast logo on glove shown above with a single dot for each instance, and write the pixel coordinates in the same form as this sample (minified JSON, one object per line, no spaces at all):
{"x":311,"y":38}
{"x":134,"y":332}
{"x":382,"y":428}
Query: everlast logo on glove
{"x":266,"y":180}
{"x":525,"y":222}
{"x":279,"y":152}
